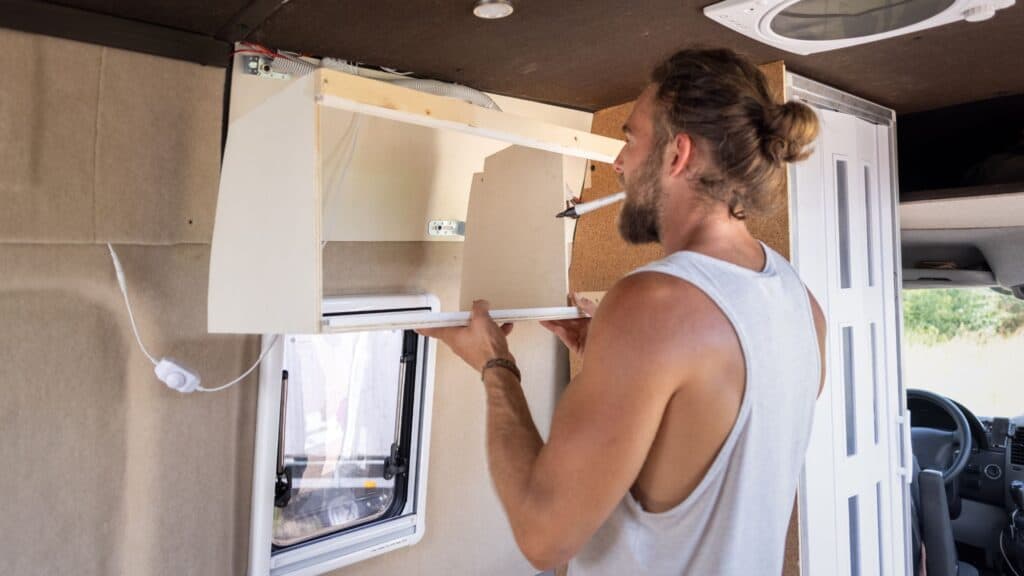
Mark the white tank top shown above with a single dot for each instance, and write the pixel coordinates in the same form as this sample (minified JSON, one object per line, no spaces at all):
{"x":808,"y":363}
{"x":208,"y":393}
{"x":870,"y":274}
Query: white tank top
{"x":735,"y":520}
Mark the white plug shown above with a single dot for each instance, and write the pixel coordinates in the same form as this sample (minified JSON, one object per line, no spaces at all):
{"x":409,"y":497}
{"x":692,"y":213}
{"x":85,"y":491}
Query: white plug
{"x":176,"y":376}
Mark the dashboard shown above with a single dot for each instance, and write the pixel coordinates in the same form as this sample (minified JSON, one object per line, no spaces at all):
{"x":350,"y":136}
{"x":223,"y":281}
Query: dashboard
{"x":997,"y":452}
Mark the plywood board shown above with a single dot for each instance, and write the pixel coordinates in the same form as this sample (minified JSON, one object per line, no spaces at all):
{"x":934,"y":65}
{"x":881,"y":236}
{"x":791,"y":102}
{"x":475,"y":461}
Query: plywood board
{"x":157,"y":149}
{"x":48,"y":101}
{"x":381,"y":99}
{"x":265,"y":273}
{"x":514,"y":252}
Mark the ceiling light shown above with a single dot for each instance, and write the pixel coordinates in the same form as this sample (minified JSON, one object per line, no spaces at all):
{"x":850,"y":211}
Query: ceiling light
{"x":492,"y":9}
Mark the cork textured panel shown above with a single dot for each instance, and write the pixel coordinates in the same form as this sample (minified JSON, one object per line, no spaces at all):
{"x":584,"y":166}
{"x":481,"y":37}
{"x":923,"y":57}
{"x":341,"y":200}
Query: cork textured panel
{"x":599,"y":255}
{"x":772,"y":228}
{"x":47,"y":153}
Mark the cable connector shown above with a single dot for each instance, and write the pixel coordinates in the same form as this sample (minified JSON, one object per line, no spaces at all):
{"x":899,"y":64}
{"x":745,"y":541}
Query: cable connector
{"x":176,"y":376}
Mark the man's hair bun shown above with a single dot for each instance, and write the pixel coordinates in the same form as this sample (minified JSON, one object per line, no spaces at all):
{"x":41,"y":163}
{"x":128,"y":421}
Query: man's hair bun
{"x":723,"y":102}
{"x":789,"y":129}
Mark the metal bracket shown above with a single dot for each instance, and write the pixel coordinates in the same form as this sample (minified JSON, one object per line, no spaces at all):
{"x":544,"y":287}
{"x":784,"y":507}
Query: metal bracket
{"x":395,"y":464}
{"x":263,"y":66}
{"x":446,"y":228}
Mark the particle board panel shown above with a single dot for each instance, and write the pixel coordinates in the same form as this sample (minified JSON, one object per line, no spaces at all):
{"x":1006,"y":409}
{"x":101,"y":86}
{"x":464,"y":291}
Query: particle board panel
{"x":514,"y":252}
{"x":48,"y":101}
{"x":158,"y":138}
{"x":265,"y":273}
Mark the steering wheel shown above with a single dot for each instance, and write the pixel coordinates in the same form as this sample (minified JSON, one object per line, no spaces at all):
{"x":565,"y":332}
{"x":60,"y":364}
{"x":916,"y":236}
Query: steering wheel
{"x":936,"y":449}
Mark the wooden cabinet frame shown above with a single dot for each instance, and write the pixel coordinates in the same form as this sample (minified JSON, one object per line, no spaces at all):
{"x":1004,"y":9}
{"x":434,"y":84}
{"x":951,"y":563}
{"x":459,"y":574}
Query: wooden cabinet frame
{"x":266,"y":268}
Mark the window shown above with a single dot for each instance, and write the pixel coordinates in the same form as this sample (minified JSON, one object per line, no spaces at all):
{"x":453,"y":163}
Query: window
{"x":965,"y":343}
{"x":340,"y":467}
{"x":843,"y":208}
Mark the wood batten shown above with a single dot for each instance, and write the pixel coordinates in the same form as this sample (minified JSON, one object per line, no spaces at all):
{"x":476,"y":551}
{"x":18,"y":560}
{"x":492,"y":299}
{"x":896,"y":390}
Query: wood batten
{"x":376,"y":98}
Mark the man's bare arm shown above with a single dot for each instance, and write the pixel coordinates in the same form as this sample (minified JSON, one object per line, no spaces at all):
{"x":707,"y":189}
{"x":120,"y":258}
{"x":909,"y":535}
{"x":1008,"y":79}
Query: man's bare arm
{"x":557,"y":495}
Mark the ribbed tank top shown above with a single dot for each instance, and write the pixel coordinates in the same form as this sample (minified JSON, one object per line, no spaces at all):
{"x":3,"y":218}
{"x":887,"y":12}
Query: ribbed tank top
{"x":735,"y":520}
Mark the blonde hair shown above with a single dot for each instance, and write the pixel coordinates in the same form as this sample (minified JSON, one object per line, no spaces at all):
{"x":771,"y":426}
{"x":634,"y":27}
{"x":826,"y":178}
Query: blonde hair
{"x":722,"y":101}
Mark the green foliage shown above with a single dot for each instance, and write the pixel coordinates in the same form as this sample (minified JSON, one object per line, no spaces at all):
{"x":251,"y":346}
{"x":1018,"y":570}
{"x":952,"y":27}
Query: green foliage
{"x":935,"y":316}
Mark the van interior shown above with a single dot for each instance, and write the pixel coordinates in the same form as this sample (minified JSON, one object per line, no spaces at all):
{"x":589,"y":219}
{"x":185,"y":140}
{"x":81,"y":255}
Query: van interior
{"x":223,"y":222}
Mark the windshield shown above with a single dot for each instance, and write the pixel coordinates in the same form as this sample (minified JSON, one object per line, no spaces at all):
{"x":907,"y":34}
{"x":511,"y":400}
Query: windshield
{"x":966,"y":344}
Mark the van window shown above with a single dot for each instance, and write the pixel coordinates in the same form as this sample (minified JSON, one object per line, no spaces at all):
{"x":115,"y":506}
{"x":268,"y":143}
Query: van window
{"x":343,"y":417}
{"x":964,"y":343}
{"x":342,"y":439}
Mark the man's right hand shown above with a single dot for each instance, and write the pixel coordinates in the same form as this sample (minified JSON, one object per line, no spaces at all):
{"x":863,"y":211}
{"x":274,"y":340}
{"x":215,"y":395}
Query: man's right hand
{"x":573,"y":333}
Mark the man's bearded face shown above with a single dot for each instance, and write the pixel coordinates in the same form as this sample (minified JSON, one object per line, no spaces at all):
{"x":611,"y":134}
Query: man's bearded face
{"x":638,"y":221}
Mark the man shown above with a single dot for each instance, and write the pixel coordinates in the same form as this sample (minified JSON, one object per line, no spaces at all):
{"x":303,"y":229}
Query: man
{"x":677,"y":448}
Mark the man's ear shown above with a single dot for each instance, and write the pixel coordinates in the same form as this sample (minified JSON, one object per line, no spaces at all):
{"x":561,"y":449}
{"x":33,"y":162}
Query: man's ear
{"x":680,"y":154}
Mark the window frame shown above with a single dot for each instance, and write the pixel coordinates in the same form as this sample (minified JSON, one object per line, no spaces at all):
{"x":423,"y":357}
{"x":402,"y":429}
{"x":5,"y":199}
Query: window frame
{"x":356,"y":543}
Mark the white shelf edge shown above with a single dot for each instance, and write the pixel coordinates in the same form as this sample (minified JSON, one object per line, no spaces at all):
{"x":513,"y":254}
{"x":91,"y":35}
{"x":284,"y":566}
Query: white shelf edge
{"x":415,"y":320}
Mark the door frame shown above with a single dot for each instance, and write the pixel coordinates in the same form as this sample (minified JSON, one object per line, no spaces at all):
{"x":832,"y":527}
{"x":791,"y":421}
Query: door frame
{"x":812,"y":499}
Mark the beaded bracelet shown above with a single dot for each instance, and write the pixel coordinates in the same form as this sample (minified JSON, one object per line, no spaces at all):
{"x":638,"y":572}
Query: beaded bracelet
{"x":502,"y":363}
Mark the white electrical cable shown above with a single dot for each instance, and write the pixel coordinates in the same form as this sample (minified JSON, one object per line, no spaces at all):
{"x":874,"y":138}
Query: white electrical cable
{"x":1003,"y":550}
{"x":123,"y":285}
{"x":263,"y":354}
{"x":124,"y":292}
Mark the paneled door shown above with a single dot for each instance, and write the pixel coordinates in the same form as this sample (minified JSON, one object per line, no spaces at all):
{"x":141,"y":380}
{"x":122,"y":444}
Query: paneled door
{"x":845,"y":247}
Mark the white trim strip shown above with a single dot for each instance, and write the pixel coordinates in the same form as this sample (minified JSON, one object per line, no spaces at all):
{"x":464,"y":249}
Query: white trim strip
{"x":413,"y":320}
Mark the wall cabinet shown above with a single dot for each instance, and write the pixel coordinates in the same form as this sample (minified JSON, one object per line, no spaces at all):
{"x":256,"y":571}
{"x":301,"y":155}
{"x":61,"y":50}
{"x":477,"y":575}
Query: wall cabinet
{"x":334,"y":156}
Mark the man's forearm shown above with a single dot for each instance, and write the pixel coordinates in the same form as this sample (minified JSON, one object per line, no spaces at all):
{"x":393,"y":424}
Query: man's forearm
{"x":513,"y":443}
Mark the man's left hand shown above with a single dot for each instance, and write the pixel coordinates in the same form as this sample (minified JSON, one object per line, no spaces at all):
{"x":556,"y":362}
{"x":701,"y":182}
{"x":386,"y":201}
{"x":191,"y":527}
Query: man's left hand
{"x":478,"y":342}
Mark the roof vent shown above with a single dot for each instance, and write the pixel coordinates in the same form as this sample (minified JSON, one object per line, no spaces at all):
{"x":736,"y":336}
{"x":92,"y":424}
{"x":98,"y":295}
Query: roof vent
{"x":810,"y":26}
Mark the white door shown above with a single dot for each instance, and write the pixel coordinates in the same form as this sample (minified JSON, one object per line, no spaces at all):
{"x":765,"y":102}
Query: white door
{"x":853,"y":488}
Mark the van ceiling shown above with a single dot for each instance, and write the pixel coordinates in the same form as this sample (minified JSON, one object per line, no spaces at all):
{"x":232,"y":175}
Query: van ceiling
{"x":591,"y":54}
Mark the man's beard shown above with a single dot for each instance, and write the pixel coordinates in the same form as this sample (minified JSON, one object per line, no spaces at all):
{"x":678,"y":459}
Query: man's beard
{"x":638,"y":221}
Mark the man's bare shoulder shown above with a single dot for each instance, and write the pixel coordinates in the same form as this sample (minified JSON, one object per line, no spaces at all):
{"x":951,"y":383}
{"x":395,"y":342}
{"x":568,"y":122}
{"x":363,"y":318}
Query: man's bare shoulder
{"x":662,"y":314}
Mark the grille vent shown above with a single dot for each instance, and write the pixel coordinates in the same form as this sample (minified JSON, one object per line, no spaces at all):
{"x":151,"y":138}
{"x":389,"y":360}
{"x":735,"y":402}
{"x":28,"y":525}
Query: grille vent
{"x":1017,"y":448}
